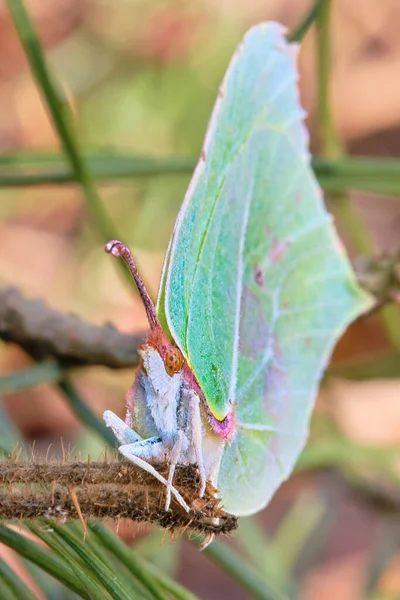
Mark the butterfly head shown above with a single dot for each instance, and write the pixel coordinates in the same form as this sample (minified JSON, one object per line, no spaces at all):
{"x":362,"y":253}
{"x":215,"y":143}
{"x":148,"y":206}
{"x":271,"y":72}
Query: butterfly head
{"x":170,"y":354}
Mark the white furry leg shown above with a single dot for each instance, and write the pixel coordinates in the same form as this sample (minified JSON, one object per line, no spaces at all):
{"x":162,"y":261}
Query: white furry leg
{"x":151,"y":448}
{"x":140,"y":451}
{"x":196,"y":437}
{"x":207,"y":541}
{"x":174,"y":459}
{"x":123,"y":433}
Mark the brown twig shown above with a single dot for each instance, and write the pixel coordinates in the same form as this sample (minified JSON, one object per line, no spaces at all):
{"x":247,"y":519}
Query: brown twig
{"x":115,"y":490}
{"x":46,"y":333}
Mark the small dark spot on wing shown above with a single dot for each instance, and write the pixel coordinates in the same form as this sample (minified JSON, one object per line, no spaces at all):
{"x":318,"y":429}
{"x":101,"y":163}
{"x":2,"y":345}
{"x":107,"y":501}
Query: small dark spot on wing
{"x":258,"y":275}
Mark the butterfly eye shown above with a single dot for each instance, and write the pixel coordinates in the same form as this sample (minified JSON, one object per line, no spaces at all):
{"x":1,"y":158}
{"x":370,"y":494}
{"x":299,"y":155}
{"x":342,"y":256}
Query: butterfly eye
{"x":173,"y":361}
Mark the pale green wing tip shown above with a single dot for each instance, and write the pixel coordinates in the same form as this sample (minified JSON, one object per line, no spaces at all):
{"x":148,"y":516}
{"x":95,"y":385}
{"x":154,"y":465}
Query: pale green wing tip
{"x":278,"y":31}
{"x":364,"y":303}
{"x":273,"y":26}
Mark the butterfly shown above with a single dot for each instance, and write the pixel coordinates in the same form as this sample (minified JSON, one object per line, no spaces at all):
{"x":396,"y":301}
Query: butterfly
{"x":255,"y":291}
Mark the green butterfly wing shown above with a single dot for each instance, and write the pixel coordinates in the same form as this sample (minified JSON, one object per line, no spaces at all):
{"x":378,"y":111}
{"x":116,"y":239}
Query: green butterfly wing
{"x":256,"y":288}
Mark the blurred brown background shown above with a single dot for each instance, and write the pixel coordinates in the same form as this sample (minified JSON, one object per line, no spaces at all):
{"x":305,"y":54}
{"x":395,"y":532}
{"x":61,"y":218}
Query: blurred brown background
{"x":142,"y":77}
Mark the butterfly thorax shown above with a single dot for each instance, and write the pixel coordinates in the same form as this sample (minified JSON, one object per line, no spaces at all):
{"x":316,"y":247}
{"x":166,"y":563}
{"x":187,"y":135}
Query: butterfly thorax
{"x":155,"y":402}
{"x":224,"y":428}
{"x":175,"y":364}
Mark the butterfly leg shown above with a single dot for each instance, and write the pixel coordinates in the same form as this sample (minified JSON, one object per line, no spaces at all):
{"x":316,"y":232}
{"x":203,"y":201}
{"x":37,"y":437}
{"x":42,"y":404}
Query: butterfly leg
{"x":175,"y":455}
{"x":196,"y":436}
{"x":122,"y":431}
{"x":151,"y":448}
{"x":207,"y":541}
{"x":139,"y":451}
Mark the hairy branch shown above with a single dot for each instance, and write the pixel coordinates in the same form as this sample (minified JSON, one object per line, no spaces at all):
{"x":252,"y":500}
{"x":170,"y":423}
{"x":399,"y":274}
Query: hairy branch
{"x":107,"y":489}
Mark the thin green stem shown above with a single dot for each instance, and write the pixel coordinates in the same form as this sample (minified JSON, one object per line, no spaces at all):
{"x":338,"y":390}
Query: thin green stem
{"x":106,"y":556}
{"x":382,"y":366}
{"x":84,"y":413}
{"x":352,"y":223}
{"x":51,"y":372}
{"x":15,"y":583}
{"x":151,"y":577}
{"x":301,"y":30}
{"x":59,"y":111}
{"x":6,"y":593}
{"x":244,"y":575}
{"x":328,"y":140}
{"x":52,"y":168}
{"x":102,"y":573}
{"x":62,"y":119}
{"x":60,"y":548}
{"x":340,"y":452}
{"x":331,"y":148}
{"x":374,"y":175}
{"x":127,"y":558}
{"x":329,"y":143}
{"x":44,"y":559}
{"x":46,"y":372}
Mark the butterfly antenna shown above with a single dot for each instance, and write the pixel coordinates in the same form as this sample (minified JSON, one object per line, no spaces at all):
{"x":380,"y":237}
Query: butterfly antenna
{"x":117,"y":248}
